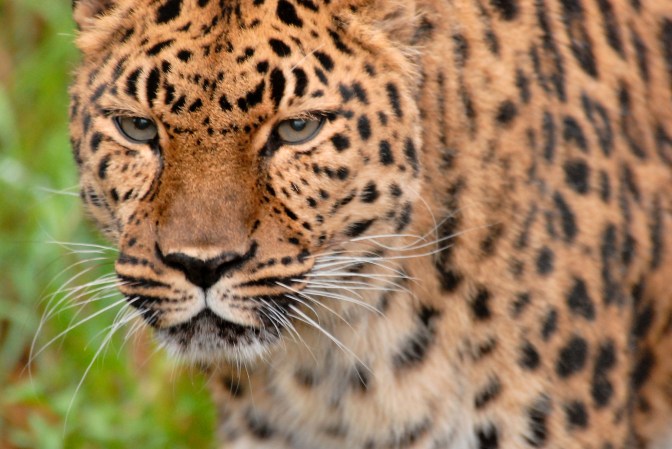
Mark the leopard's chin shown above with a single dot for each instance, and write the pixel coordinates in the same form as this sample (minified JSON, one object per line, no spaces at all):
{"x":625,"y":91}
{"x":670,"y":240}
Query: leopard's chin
{"x":207,"y":339}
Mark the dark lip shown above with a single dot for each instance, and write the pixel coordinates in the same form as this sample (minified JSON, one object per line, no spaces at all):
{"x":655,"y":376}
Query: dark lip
{"x":206,"y":322}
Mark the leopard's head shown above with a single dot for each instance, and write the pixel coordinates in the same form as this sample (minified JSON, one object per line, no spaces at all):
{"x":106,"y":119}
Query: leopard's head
{"x":242,"y":155}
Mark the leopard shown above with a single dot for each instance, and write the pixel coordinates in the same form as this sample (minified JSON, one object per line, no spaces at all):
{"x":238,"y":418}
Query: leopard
{"x":392,"y":223}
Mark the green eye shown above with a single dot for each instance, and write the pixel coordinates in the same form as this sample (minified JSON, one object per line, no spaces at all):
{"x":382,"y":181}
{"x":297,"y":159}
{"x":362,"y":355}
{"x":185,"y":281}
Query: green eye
{"x":137,"y":129}
{"x":298,"y":130}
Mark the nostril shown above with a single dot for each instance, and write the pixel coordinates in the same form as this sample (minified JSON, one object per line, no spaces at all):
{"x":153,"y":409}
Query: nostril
{"x":205,"y":273}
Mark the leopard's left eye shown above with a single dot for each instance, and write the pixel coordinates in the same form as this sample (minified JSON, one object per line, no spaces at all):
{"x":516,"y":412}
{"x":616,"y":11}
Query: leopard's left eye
{"x":298,"y":130}
{"x":137,"y":129}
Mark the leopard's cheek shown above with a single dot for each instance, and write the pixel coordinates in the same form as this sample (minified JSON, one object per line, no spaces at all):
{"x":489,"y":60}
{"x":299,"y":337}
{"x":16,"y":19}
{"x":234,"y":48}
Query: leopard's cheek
{"x":115,"y":177}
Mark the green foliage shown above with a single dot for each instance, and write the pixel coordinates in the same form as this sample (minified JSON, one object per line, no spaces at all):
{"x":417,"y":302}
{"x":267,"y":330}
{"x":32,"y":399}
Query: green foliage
{"x":131,"y":396}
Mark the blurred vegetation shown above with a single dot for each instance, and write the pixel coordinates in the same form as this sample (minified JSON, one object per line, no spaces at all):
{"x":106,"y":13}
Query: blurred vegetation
{"x":132,"y":396}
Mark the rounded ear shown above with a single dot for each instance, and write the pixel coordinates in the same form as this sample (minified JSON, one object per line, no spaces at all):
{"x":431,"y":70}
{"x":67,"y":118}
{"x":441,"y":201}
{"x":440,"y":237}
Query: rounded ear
{"x":86,"y":11}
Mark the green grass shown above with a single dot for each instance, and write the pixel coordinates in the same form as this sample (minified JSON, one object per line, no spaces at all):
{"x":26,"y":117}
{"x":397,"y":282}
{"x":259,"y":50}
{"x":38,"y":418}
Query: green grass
{"x":132,"y":396}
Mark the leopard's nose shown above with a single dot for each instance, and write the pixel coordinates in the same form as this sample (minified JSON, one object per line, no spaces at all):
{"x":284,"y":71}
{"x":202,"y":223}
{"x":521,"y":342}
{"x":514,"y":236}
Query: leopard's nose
{"x":205,"y":273}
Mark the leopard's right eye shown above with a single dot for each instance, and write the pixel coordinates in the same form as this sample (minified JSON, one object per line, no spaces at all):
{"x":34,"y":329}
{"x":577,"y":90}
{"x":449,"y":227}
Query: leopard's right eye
{"x":137,"y":129}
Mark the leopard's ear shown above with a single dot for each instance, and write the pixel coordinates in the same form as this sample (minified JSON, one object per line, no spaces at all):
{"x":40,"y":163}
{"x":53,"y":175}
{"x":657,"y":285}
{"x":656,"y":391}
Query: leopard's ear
{"x":85,"y":12}
{"x":388,"y":27}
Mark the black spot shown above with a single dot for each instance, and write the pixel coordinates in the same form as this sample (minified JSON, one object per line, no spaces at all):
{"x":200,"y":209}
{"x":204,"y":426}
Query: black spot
{"x":601,"y":388}
{"x":609,"y":254}
{"x":364,"y":127}
{"x":572,"y":132}
{"x":550,"y":324}
{"x":234,"y":387}
{"x":576,"y":415}
{"x":508,"y":9}
{"x":224,"y":104}
{"x":547,"y":59}
{"x":572,"y":357}
{"x":178,"y":105}
{"x":262,"y":66}
{"x":523,"y":85}
{"x":488,"y":393}
{"x":523,"y":239}
{"x":184,"y":55}
{"x":253,"y":97}
{"x":385,"y":153}
{"x":340,"y":141}
{"x":346,"y":93}
{"x":358,"y":228}
{"x":656,"y":231}
{"x":96,"y":138}
{"x":360,"y":93}
{"x":370,"y":193}
{"x":580,"y":42}
{"x":277,"y":80}
{"x":666,"y":45}
{"x":487,"y":437}
{"x":404,"y":217}
{"x":168,"y":11}
{"x":249,"y":52}
{"x":156,"y":49}
{"x":414,"y":350}
{"x":325,"y":60}
{"x":132,"y":83}
{"x":338,"y":43}
{"x":567,"y":220}
{"x":545,"y":260}
{"x":480,"y":304}
{"x":393,"y":96}
{"x":411,"y":155}
{"x":538,"y":415}
{"x":258,"y":426}
{"x":359,"y":378}
{"x":286,"y":12}
{"x":605,"y":187}
{"x":579,"y":302}
{"x":342,"y":173}
{"x":629,"y":124}
{"x":103,"y":166}
{"x":641,"y":52}
{"x":301,"y":81}
{"x":489,"y":243}
{"x":529,"y":356}
{"x":548,"y":133}
{"x":599,"y":118}
{"x":279,"y":47}
{"x":461,"y":49}
{"x":152,"y":86}
{"x":519,"y":305}
{"x":611,"y":26}
{"x":321,"y":76}
{"x":643,"y":368}
{"x":196,"y":105}
{"x":506,"y":113}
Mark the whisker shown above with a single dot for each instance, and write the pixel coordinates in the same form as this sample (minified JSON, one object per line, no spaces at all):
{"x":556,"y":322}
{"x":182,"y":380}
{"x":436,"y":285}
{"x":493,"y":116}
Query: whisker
{"x":342,"y":298}
{"x":74,"y":326}
{"x":306,"y":319}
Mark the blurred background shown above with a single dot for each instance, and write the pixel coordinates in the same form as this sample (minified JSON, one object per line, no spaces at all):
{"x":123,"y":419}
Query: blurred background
{"x":71,"y":396}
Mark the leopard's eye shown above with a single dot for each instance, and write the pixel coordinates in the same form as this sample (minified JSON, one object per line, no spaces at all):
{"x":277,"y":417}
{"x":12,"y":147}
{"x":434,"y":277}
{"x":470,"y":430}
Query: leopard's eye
{"x":298,"y":130}
{"x":137,"y":129}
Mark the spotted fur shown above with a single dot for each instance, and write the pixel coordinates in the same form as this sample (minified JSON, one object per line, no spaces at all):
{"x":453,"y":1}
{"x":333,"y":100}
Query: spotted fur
{"x":472,"y":252}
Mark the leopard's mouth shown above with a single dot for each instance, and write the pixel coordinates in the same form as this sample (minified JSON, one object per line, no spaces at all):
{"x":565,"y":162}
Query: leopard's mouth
{"x":207,"y":338}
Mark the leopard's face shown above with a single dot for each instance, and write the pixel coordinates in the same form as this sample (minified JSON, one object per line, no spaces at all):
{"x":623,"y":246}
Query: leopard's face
{"x":235,"y":152}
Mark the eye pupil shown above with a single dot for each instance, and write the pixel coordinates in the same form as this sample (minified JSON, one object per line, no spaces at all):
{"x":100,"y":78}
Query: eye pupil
{"x":137,"y":129}
{"x":141,"y":123}
{"x":298,"y":124}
